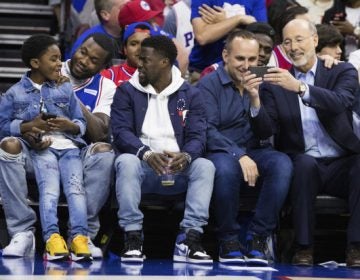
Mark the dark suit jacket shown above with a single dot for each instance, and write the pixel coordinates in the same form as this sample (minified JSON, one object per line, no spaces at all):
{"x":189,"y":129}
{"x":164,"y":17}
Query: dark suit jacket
{"x":332,"y":96}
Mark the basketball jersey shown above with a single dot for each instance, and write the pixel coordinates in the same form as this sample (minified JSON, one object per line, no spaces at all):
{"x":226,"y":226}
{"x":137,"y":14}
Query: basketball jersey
{"x":184,"y":29}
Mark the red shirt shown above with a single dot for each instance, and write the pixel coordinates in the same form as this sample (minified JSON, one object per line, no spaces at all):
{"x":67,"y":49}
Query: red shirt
{"x":119,"y":73}
{"x":282,"y":61}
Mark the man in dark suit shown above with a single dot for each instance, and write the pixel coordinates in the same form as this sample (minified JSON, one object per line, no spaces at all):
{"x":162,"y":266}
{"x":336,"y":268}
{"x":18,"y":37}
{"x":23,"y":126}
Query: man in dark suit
{"x":310,"y":114}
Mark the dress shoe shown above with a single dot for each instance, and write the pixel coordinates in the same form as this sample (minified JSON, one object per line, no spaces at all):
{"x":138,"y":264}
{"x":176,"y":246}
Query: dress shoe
{"x":303,"y":257}
{"x":353,"y":256}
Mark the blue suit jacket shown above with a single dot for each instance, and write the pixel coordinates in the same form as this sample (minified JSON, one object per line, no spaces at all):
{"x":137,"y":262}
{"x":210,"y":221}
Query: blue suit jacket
{"x":332,"y":96}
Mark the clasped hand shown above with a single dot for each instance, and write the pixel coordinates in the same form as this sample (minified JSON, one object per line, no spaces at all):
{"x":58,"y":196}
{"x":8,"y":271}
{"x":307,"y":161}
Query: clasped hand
{"x":176,"y":162}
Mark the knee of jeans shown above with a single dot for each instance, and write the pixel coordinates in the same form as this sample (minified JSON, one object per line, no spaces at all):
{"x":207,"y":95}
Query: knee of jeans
{"x":282,"y":165}
{"x":204,"y":165}
{"x":100,"y":148}
{"x":128,"y":162}
{"x":228,"y":168}
{"x":11,"y":145}
{"x":229,"y":171}
{"x":103,"y":158}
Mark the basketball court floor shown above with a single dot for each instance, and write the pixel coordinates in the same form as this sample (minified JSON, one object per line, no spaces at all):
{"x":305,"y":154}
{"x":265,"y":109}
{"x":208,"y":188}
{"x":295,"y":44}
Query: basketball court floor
{"x":160,"y":230}
{"x":111,"y":268}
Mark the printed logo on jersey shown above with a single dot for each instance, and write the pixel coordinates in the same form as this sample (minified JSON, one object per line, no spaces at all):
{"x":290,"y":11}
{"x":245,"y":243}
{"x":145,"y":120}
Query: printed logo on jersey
{"x":91,"y":91}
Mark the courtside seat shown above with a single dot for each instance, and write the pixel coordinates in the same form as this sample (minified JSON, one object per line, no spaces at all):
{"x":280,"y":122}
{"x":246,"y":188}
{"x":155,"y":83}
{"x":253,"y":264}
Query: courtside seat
{"x":327,"y":204}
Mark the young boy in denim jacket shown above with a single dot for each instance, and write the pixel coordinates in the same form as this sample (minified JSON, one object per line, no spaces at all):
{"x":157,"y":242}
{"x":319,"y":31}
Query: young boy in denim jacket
{"x":38,"y":103}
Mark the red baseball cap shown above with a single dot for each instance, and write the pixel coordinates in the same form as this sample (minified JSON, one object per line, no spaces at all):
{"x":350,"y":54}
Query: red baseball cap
{"x":134,"y":11}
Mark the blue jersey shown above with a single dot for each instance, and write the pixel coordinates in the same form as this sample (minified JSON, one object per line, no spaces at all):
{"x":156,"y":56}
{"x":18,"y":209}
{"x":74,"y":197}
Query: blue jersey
{"x":203,"y":56}
{"x":90,"y":91}
{"x":96,"y":93}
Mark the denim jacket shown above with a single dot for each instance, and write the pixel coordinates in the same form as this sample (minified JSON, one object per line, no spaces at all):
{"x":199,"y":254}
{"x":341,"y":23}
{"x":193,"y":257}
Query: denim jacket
{"x":22,"y":103}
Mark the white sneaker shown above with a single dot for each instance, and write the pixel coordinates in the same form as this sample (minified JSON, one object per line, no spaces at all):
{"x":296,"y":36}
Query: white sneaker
{"x":21,"y":245}
{"x":95,"y":251}
{"x":18,"y":266}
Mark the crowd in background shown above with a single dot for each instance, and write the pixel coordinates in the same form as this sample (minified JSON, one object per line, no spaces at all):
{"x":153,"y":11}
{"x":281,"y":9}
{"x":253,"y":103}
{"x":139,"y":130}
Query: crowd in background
{"x":179,"y":19}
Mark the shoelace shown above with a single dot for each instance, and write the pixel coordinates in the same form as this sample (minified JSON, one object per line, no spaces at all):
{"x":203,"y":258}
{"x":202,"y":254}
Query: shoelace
{"x":354,"y":253}
{"x":83,"y":240}
{"x":231,"y":246}
{"x":133,"y":242}
{"x":258,"y":244}
{"x":193,"y":240}
{"x":58,"y":241}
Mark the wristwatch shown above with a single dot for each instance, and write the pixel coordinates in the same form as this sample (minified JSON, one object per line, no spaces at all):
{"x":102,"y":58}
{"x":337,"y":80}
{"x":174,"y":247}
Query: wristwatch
{"x":302,"y":89}
{"x":357,"y":31}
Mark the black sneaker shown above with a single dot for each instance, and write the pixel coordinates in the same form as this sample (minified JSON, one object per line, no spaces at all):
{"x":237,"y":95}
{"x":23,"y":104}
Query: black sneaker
{"x":188,"y":248}
{"x":353,"y":256}
{"x":133,"y":247}
{"x":256,"y":247}
{"x":231,"y":252}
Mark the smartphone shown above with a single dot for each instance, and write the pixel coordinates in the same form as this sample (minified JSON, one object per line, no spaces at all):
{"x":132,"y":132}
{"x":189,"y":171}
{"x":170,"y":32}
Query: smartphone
{"x":260,"y":71}
{"x":339,"y":17}
{"x":38,"y":137}
{"x":46,"y":116}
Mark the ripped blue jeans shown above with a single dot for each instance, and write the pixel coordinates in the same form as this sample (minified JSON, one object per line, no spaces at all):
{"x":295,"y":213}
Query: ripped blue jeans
{"x":51,"y":167}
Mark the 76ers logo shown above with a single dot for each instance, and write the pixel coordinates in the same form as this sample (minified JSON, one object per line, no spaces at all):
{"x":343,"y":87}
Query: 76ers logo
{"x":181,"y":110}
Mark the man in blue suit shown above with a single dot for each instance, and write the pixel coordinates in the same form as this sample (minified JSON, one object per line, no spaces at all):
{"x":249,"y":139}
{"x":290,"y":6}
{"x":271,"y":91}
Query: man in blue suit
{"x":310,"y":110}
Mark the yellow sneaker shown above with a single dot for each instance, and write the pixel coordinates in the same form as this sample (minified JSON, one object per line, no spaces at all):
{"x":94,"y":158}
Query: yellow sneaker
{"x":79,"y":248}
{"x":56,"y":248}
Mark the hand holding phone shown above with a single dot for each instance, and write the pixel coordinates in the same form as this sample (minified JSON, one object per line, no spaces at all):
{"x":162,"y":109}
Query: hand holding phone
{"x":260,"y":71}
{"x":35,"y":136}
{"x":47,"y":116}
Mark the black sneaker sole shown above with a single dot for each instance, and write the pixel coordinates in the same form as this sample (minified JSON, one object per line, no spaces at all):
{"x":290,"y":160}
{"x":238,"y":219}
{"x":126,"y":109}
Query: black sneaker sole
{"x":256,"y":261}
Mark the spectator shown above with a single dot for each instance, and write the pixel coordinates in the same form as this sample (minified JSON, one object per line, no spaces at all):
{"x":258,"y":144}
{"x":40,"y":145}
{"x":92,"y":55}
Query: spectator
{"x":354,"y":59}
{"x":241,"y":153}
{"x":133,"y":36}
{"x":158,"y":123}
{"x":345,"y":16}
{"x":73,"y":18}
{"x":310,"y":109}
{"x":95,"y":93}
{"x":275,"y":9}
{"x":139,"y":10}
{"x":209,"y":37}
{"x":159,"y":5}
{"x":316,"y":8}
{"x":330,"y":40}
{"x":136,"y":11}
{"x":107,"y":12}
{"x":279,"y":58}
{"x":177,"y":23}
{"x":59,"y":157}
{"x":264,"y":34}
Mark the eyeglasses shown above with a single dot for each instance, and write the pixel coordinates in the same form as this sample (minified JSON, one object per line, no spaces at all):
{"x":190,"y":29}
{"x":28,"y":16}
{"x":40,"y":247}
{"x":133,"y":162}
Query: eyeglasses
{"x":298,"y":40}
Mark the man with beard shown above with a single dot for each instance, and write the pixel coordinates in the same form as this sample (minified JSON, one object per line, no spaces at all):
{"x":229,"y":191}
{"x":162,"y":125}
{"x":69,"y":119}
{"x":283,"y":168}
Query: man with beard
{"x":158,"y":123}
{"x":310,"y":110}
{"x":95,"y":93}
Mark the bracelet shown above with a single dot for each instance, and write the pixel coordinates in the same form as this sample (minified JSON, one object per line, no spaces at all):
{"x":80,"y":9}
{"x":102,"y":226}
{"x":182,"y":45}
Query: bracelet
{"x":147,"y":155}
{"x":188,"y":157}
